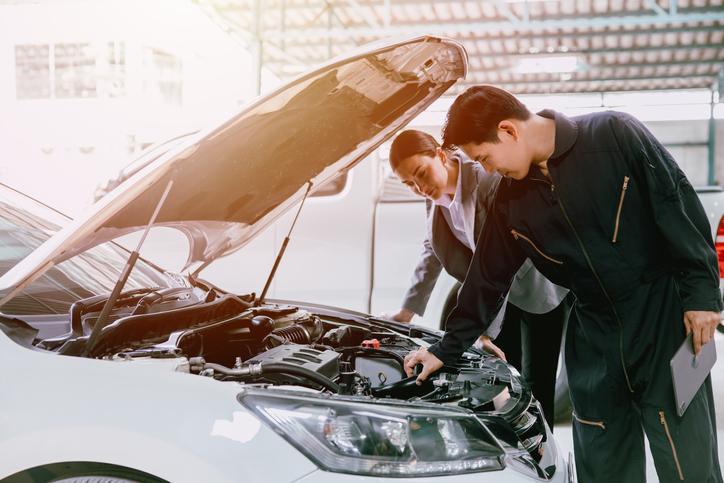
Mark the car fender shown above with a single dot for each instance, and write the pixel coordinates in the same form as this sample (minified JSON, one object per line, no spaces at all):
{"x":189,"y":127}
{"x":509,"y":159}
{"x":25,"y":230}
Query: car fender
{"x":173,"y":425}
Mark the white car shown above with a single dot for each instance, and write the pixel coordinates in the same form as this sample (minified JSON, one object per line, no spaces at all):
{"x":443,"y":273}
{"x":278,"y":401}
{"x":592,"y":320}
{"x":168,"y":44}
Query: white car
{"x":115,"y":370}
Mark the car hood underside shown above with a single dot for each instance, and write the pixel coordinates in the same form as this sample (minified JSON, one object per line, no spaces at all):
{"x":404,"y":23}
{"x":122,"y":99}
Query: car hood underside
{"x":229,"y":182}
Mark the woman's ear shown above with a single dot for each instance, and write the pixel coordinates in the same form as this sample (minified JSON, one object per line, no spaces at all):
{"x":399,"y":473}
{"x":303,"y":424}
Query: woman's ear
{"x":442,"y":155}
{"x":508,"y":127}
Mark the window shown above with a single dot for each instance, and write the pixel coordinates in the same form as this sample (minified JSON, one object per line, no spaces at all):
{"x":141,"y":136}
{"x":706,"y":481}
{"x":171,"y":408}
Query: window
{"x":332,"y":187}
{"x":32,"y":71}
{"x":64,"y":71}
{"x":115,"y":78}
{"x":163,"y":80}
{"x":75,"y":71}
{"x":23,"y":229}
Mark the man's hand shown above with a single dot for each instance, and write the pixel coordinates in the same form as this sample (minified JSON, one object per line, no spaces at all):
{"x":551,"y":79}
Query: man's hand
{"x":491,"y":348}
{"x":701,"y":325}
{"x":429,"y":362}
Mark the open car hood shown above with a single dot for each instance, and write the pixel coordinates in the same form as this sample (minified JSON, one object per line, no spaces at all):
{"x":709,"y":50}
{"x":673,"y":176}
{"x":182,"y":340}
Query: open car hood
{"x":233,"y":180}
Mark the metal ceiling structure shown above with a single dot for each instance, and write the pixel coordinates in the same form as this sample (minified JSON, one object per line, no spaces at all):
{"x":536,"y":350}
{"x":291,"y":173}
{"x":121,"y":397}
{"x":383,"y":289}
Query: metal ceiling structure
{"x":524,"y":46}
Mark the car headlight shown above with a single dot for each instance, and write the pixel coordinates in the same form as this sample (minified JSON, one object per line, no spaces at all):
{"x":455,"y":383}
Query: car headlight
{"x":378,"y":439}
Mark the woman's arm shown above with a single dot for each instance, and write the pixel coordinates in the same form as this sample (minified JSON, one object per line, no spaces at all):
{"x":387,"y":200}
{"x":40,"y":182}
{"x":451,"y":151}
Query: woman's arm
{"x":424,"y":278}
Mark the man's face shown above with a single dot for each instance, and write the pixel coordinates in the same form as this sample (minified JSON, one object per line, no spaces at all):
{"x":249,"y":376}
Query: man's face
{"x":507,"y":157}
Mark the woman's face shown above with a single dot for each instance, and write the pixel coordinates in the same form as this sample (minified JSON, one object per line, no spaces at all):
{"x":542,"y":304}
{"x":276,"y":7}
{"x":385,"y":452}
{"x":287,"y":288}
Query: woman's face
{"x":424,"y":174}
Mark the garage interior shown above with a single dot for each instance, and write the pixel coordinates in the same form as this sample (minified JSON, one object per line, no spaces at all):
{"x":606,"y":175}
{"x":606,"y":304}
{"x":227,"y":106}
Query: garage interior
{"x":664,"y":57}
{"x":661,"y":60}
{"x":595,"y":50}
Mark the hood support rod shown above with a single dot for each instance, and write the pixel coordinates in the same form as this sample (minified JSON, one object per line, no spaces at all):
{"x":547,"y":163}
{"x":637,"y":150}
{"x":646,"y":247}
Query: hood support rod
{"x":260,"y":300}
{"x":125,"y":273}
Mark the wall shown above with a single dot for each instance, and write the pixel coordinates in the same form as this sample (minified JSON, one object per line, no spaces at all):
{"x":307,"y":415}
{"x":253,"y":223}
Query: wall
{"x":59,"y":150}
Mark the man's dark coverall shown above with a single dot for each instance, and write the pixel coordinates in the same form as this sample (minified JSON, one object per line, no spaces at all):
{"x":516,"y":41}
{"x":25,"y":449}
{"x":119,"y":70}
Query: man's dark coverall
{"x":619,"y":224}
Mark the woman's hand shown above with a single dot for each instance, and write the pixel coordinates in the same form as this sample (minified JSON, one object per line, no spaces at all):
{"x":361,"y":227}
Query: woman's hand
{"x":403,"y":315}
{"x":491,"y":348}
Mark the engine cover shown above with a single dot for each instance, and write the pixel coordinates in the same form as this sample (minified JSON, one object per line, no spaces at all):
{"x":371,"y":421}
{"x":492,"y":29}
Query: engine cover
{"x":323,"y":362}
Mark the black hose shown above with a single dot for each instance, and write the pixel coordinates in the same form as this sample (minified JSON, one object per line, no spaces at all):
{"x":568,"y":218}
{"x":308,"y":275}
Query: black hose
{"x":227,"y":371}
{"x":282,"y":368}
{"x":276,"y":368}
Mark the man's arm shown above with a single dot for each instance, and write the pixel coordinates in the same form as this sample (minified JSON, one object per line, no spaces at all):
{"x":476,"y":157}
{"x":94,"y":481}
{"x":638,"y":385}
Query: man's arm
{"x":683,"y":224}
{"x":495,"y":262}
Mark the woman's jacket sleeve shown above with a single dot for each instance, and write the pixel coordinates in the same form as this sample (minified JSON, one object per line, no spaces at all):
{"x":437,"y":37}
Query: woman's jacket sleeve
{"x":424,"y":276}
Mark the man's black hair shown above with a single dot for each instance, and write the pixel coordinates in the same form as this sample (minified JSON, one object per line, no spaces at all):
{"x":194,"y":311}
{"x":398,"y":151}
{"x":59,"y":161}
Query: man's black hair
{"x":476,"y":113}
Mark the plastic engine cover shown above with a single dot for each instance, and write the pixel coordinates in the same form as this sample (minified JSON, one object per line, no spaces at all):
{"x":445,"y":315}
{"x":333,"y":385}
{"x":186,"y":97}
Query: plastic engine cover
{"x":323,"y":362}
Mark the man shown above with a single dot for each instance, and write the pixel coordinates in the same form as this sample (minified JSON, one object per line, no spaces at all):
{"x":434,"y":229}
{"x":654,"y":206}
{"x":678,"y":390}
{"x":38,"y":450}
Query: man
{"x":600,"y":207}
{"x":458,"y":195}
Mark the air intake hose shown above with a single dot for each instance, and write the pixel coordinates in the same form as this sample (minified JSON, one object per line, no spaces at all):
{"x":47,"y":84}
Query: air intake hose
{"x":262,"y":368}
{"x":305,"y":332}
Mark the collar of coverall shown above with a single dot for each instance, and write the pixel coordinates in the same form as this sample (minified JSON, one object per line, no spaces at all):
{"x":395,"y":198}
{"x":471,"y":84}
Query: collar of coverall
{"x":566,"y":132}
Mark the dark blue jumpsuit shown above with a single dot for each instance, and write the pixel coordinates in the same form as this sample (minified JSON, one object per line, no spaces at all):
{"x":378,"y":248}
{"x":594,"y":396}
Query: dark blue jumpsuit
{"x":618,"y":223}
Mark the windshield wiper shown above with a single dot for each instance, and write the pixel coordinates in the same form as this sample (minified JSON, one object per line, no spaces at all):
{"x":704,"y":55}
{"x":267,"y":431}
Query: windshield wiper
{"x":125,"y":273}
{"x":260,"y":300}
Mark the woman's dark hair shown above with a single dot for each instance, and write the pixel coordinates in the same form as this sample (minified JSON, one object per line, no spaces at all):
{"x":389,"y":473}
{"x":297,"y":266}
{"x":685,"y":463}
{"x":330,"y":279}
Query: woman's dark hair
{"x":409,"y":143}
{"x":476,"y":113}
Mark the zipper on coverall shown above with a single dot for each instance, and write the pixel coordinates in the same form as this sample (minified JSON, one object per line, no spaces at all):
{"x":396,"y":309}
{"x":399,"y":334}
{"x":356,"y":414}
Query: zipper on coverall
{"x":516,"y":234}
{"x":598,"y":279}
{"x":620,"y":206}
{"x":600,"y":424}
{"x":671,"y":443}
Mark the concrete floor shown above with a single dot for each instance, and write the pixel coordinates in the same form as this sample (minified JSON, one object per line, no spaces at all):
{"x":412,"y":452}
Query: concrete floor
{"x":564,"y":435}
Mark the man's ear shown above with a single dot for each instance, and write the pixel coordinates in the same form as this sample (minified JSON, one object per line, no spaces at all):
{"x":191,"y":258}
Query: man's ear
{"x":506,"y":126}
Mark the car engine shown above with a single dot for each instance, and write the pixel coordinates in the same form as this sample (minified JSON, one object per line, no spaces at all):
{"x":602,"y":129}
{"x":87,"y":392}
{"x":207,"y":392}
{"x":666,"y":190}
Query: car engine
{"x":344,"y":354}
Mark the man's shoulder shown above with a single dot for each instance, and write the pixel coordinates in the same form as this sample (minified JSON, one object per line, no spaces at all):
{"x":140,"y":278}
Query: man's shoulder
{"x":602,"y":119}
{"x":600,"y":130}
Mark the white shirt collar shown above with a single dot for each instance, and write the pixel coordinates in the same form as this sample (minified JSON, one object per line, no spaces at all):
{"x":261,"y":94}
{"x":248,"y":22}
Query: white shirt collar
{"x":454,"y":213}
{"x":445,"y":199}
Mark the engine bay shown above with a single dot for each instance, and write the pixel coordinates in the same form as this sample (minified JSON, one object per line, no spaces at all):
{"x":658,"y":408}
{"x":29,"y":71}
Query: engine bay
{"x":283,"y":345}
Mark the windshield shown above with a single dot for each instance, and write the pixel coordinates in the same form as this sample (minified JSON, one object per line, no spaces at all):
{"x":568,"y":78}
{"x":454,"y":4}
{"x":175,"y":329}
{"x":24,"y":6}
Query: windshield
{"x":25,"y":225}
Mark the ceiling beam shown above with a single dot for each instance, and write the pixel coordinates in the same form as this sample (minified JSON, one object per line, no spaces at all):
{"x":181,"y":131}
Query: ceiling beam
{"x":245,"y":37}
{"x":590,"y":81}
{"x":600,"y":18}
{"x":664,"y":63}
{"x":591,"y":67}
{"x":305,"y":5}
{"x":606,"y":50}
{"x":505,"y":11}
{"x":364,"y":13}
{"x":452,"y":28}
{"x":654,"y":5}
{"x":549,"y":36}
{"x":317,"y":59}
{"x":632,"y":65}
{"x":579,"y":89}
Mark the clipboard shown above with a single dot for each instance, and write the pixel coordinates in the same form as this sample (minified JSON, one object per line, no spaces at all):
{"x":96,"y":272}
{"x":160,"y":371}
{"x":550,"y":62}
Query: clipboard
{"x":688,"y":372}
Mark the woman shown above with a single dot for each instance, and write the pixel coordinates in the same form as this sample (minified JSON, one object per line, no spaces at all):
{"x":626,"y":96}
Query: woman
{"x":458,"y":195}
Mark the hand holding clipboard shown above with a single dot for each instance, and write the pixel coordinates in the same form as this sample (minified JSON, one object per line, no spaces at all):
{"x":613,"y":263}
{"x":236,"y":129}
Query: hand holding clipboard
{"x":689,"y":371}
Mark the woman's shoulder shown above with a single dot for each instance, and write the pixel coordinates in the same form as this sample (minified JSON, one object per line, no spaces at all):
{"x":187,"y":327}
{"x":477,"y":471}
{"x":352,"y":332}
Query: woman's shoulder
{"x":477,"y":179}
{"x":468,"y":167}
